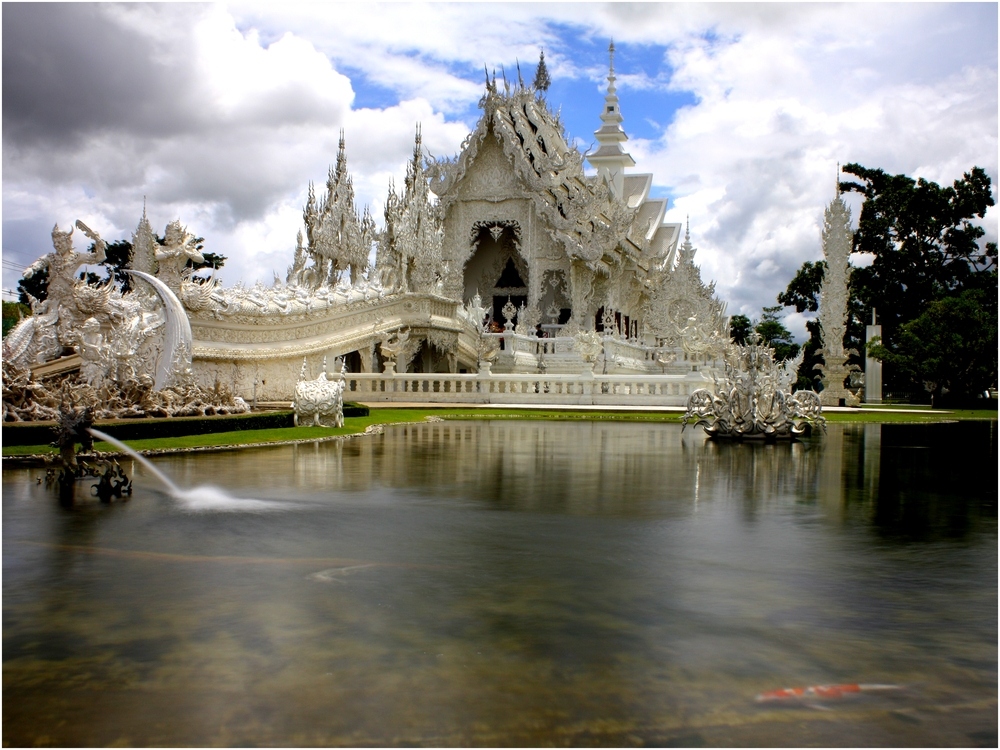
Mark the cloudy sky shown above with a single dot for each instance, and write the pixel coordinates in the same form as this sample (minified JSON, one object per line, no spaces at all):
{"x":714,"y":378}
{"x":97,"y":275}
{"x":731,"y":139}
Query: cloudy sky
{"x":220,"y":115}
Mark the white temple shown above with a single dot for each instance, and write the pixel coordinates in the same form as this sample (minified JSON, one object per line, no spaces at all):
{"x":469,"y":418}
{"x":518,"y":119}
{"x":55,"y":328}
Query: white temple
{"x":506,"y":259}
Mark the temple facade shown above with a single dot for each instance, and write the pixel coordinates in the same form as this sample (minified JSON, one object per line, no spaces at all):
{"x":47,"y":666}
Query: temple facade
{"x":506,"y":258}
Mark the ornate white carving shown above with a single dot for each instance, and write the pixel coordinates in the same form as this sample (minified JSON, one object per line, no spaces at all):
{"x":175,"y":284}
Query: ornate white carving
{"x":590,"y":345}
{"x":338,"y":239}
{"x":319,"y":401}
{"x":95,"y":354}
{"x":681,"y":310}
{"x":837,"y":243}
{"x":509,"y":311}
{"x":409,"y":249}
{"x":392,"y":348}
{"x":751,"y":399}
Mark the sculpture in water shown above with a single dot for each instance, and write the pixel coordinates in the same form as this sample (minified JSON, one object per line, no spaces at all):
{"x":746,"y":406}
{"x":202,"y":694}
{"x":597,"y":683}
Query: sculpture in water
{"x":319,"y":401}
{"x":752,"y":399}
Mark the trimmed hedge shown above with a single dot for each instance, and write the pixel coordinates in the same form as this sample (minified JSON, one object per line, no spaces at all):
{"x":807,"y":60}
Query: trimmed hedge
{"x":42,"y":433}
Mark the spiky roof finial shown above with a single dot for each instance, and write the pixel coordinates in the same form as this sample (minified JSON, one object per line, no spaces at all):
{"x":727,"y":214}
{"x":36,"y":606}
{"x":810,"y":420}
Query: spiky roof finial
{"x":341,"y":169}
{"x":611,"y":67}
{"x":542,"y":78}
{"x":417,"y":148}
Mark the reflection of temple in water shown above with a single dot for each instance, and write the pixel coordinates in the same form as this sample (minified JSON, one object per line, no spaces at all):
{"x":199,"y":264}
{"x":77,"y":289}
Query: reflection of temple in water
{"x":902,"y":479}
{"x":593,"y":467}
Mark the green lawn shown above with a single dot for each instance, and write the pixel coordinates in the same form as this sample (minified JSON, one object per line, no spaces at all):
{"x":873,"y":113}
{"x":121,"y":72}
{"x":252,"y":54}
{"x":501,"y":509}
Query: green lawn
{"x":378,"y":415}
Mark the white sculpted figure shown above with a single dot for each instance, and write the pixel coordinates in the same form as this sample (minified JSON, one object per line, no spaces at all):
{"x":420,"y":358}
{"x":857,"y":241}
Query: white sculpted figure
{"x":94,"y":353}
{"x":54,"y":326}
{"x":590,"y":345}
{"x":179,"y":247}
{"x":392,"y":348}
{"x":64,"y":262}
{"x":320,"y":401}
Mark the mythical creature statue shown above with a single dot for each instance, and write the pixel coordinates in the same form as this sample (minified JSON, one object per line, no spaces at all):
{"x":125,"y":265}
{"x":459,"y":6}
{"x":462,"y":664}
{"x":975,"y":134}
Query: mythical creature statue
{"x":54,"y":327}
{"x":392,"y":348}
{"x":172,"y":257}
{"x":320,"y":401}
{"x":751,"y":400}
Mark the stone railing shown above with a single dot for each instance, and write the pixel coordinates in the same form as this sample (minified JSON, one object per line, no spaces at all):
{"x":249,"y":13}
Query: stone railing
{"x":492,"y":388}
{"x":560,"y":355}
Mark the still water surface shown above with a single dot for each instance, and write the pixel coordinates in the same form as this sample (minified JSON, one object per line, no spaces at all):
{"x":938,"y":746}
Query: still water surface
{"x":515,"y":583}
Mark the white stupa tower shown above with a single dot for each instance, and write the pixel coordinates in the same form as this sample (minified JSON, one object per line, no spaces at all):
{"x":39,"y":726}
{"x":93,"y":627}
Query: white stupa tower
{"x":609,"y":158}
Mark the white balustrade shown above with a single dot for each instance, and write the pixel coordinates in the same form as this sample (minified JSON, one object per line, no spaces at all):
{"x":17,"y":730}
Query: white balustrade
{"x":492,"y":388}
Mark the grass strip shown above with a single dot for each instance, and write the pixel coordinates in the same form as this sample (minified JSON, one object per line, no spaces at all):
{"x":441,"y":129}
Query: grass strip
{"x":389,"y":415}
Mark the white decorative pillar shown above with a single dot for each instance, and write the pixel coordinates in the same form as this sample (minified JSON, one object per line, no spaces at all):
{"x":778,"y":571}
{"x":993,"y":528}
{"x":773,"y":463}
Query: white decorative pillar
{"x":837,"y":241}
{"x":873,"y":368}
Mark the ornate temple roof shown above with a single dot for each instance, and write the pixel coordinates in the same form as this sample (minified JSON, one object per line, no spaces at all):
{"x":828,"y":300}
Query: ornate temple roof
{"x":597,"y":219}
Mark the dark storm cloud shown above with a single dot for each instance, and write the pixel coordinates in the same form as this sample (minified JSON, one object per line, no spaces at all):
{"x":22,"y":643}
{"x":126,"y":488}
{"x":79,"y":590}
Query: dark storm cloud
{"x":72,"y":69}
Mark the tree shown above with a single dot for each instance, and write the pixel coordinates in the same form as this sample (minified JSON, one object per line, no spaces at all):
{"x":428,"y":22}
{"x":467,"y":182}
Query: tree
{"x":775,"y":335}
{"x":13,"y":312}
{"x":951,"y":347}
{"x":923,"y":243}
{"x":117,"y":256}
{"x":803,"y":290}
{"x":924,"y":249}
{"x":542,"y":79}
{"x":36,"y":287}
{"x":739,"y":328}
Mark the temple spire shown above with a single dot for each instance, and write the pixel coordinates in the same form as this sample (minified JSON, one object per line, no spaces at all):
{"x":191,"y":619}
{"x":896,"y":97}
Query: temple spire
{"x":341,"y":170}
{"x":610,"y":159}
{"x":611,"y":68}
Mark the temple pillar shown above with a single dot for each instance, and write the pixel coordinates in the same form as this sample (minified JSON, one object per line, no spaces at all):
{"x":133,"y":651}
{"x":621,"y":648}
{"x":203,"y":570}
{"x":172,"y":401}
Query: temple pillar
{"x":367,"y":354}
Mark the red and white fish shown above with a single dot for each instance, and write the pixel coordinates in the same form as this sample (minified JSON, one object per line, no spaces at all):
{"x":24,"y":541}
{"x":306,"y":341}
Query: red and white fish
{"x":821,"y":692}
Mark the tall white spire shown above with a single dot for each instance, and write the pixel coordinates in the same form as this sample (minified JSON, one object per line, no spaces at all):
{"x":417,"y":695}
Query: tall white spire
{"x":610,"y":159}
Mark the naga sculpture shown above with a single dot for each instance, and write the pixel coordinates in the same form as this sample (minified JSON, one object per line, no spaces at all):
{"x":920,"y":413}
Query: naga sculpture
{"x":752,"y":399}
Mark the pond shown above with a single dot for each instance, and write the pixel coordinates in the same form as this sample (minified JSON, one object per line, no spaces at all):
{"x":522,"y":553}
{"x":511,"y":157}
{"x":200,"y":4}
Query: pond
{"x":515,"y":583}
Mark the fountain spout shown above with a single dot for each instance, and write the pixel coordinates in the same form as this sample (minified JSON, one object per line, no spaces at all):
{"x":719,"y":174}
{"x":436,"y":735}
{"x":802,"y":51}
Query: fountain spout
{"x":172,"y":488}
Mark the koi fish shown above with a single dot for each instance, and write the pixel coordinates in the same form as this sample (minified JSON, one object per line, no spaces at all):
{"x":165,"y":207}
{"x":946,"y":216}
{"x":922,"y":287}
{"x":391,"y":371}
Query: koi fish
{"x":820,"y":692}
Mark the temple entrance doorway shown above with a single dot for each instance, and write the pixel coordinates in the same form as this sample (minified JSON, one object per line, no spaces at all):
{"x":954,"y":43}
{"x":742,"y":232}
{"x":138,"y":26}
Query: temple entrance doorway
{"x":496,"y":270}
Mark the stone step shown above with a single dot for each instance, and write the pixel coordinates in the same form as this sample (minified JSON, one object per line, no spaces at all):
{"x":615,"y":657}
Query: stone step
{"x":61,"y":366}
